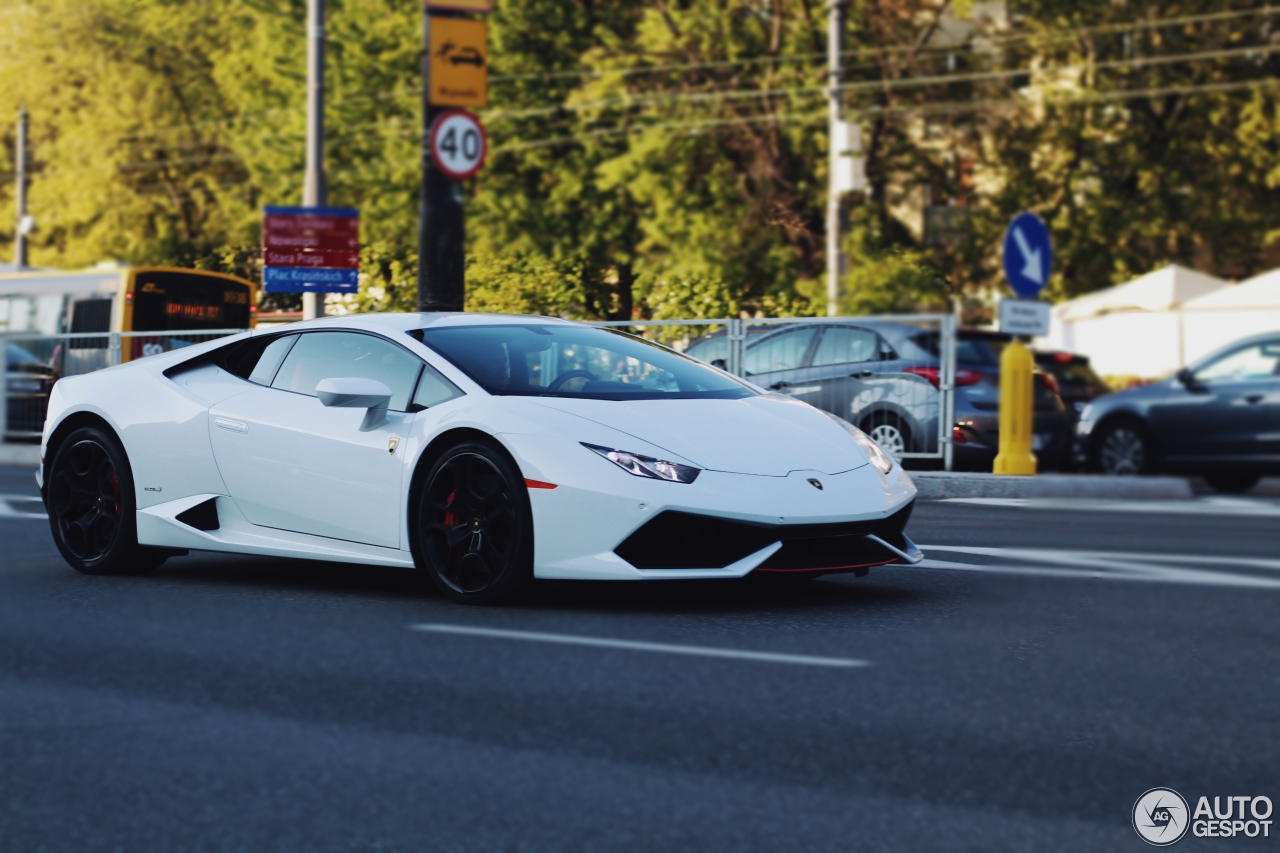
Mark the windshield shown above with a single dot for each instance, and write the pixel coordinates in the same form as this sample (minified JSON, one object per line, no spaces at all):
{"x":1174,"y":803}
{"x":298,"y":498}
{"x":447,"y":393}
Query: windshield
{"x":16,"y":355}
{"x":562,"y":360}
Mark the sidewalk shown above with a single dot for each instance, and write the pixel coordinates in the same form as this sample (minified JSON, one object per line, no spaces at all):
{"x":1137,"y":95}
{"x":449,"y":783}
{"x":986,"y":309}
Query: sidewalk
{"x":939,"y":485}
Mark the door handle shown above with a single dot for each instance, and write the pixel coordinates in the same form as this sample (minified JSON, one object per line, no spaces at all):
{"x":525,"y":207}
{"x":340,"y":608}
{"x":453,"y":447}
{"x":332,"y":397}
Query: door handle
{"x":1254,"y":398}
{"x":862,"y":374}
{"x":778,"y":386}
{"x":230,"y":425}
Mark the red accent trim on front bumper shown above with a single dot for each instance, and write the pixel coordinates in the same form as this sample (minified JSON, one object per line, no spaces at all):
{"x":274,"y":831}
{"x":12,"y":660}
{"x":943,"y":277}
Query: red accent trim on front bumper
{"x":827,"y":569}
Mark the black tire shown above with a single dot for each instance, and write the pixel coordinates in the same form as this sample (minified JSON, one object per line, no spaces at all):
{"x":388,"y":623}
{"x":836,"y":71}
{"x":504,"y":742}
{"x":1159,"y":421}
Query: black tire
{"x":1122,"y":448}
{"x":92,"y":507}
{"x":890,"y":431}
{"x":1232,"y":484}
{"x":474,"y":527}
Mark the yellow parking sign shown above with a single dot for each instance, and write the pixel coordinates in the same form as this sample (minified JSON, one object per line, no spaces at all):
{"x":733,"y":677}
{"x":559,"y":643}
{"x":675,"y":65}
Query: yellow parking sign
{"x":459,"y":62}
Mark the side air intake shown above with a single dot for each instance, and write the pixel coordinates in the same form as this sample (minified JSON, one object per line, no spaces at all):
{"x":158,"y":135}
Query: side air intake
{"x":202,"y":516}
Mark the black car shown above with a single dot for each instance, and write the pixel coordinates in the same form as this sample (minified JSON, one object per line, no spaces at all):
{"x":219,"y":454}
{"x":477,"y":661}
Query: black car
{"x":884,"y":377}
{"x":1219,"y":418}
{"x":1076,"y":381}
{"x":28,"y":381}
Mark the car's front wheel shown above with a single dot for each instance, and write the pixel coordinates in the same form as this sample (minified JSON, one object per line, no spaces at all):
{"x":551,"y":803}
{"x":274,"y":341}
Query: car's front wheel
{"x":92,"y":507}
{"x":1123,"y":448}
{"x":474,"y":525}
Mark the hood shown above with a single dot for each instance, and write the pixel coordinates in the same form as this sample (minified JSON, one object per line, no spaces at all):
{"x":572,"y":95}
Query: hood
{"x":769,"y":435}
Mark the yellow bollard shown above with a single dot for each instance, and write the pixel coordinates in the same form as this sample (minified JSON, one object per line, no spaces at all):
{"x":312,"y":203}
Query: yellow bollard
{"x":1016,"y":412}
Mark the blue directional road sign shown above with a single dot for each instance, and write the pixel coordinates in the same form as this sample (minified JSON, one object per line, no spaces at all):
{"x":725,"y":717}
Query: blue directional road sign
{"x":303,"y":279}
{"x":1028,"y":255}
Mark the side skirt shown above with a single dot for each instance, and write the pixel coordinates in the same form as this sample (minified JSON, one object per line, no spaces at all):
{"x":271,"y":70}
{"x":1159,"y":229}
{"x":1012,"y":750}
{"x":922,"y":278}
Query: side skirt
{"x":159,"y":526}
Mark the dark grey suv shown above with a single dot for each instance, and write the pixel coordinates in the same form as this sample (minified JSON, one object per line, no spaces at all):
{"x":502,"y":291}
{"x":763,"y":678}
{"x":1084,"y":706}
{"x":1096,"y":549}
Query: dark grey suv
{"x":1220,"y":418}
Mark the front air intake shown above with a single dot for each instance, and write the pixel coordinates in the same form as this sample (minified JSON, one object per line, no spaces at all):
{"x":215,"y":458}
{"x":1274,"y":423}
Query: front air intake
{"x":685,"y":540}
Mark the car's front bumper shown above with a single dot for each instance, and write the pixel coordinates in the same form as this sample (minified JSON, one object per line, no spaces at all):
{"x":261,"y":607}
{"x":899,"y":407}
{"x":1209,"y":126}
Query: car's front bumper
{"x":581,"y":523}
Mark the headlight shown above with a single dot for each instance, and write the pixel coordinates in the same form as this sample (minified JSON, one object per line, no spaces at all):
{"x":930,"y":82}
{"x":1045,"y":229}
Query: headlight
{"x":883,"y":461}
{"x":647,"y":466}
{"x":1086,"y":414}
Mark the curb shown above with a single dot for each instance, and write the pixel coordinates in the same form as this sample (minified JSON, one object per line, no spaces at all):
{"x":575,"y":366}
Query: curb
{"x":940,"y":485}
{"x":23,"y":455}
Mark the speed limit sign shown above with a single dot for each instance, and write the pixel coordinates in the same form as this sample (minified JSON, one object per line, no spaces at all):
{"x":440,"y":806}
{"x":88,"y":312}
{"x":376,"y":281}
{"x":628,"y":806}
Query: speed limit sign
{"x":458,"y":144}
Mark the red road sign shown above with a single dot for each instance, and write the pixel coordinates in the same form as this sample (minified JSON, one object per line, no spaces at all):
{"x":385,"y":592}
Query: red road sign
{"x":297,"y":258}
{"x":336,"y":226}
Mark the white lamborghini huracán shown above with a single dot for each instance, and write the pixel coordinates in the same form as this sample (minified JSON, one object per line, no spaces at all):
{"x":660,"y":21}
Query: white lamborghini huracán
{"x":484,"y":450}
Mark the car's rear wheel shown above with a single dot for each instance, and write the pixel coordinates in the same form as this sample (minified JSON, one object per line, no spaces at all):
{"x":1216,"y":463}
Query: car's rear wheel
{"x":1232,"y":484}
{"x":1123,"y":448}
{"x":890,"y":432}
{"x":475,"y":528}
{"x":92,"y":507}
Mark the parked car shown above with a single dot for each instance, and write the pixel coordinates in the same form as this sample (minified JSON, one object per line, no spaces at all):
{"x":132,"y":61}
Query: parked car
{"x":1219,"y":418}
{"x":1077,"y":383}
{"x":28,"y":381}
{"x":884,"y":377}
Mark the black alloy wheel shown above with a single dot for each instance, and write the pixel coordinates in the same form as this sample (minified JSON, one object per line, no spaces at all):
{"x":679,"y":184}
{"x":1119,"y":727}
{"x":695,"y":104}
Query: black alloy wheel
{"x":91,"y":507}
{"x":1123,"y":449}
{"x":475,"y":527}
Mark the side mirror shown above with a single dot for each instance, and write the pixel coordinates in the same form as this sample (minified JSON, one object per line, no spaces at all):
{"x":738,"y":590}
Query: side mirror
{"x":357,"y":393}
{"x":1188,"y":379}
{"x":720,"y":363}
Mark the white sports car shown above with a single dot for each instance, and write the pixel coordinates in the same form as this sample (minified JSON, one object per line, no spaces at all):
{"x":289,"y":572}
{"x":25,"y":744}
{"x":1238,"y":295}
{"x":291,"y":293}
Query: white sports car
{"x":486,"y":450}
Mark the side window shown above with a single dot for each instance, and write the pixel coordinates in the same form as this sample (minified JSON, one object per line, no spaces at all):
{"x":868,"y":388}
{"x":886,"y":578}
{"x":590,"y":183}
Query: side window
{"x":269,"y":362}
{"x":434,"y":389}
{"x":844,"y":345}
{"x":1248,"y":364}
{"x":341,"y":355}
{"x":784,"y":351}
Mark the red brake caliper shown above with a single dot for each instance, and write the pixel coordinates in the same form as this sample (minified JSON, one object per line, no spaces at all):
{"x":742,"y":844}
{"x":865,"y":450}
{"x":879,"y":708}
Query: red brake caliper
{"x":115,"y":491}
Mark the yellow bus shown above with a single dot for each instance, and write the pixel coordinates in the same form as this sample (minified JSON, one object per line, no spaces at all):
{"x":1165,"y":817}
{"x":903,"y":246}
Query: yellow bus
{"x":131,"y":300}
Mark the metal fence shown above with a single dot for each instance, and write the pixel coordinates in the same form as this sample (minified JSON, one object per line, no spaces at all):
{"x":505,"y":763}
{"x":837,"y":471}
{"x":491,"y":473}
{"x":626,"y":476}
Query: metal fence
{"x":34,"y":362}
{"x":891,"y":375}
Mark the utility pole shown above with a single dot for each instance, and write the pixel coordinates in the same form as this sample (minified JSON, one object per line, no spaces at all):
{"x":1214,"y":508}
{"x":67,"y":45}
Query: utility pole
{"x":24,"y":225}
{"x":835,"y":139}
{"x":313,"y":190}
{"x":441,"y":228}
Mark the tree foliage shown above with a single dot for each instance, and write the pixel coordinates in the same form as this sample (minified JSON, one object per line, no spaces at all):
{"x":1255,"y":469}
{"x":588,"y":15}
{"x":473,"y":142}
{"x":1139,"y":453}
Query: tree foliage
{"x":660,"y":159}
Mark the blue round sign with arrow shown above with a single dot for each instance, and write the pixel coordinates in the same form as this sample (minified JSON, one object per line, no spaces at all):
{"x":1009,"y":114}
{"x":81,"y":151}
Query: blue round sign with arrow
{"x":1028,"y":255}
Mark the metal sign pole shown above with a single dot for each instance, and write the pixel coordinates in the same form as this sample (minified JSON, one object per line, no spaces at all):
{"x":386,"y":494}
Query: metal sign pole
{"x":835,"y":23}
{"x":441,"y":228}
{"x":313,"y":188}
{"x":20,"y":233}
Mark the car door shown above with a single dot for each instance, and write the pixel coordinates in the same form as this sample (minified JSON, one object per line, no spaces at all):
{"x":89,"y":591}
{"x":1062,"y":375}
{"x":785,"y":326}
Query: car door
{"x":841,"y":370}
{"x":1221,"y":410}
{"x":777,"y":361}
{"x":293,"y":464}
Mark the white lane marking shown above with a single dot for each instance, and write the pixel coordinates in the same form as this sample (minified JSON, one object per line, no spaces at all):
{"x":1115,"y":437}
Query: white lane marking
{"x":1248,"y":507}
{"x":1110,"y":565}
{"x":7,"y":510}
{"x":635,"y":646}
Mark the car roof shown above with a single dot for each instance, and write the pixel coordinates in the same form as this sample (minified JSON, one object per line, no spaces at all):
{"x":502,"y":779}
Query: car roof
{"x":405,"y":321}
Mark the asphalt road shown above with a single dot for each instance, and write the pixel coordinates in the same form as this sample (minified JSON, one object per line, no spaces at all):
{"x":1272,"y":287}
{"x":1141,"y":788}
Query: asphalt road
{"x":1043,"y":669}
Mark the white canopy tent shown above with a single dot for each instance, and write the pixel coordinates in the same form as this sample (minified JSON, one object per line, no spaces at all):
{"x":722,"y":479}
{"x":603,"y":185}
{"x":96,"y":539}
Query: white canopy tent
{"x":1230,"y":313}
{"x":1134,"y":328}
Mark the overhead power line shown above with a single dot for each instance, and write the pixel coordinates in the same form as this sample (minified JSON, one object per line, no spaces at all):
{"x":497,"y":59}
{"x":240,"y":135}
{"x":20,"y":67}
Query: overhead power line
{"x":997,"y":39}
{"x":985,"y":105}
